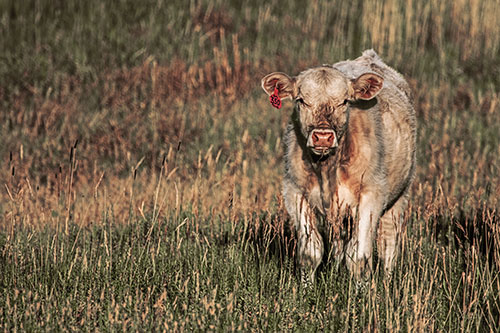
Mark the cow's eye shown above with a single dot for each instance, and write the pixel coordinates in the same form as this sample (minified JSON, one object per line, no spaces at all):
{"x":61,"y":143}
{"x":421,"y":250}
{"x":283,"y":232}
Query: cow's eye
{"x":301,"y":102}
{"x":344,"y":103}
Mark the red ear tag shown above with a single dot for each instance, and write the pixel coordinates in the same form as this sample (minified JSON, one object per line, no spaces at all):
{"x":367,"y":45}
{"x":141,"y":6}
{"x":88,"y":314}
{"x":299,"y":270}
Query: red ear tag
{"x":275,"y":99}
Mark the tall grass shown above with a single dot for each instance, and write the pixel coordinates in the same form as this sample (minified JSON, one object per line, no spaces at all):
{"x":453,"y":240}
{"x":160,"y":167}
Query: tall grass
{"x":141,"y":165}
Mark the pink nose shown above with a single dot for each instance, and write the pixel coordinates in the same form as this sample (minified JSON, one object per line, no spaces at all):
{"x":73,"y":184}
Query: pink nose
{"x":323,"y":138}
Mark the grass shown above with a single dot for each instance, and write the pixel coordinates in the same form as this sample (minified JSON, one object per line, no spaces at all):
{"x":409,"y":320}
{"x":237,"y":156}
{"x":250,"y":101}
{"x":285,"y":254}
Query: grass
{"x":141,"y":166}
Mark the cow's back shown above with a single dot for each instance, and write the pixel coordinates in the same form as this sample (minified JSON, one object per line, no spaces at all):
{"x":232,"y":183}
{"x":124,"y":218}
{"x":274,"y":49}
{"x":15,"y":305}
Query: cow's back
{"x":371,"y":62}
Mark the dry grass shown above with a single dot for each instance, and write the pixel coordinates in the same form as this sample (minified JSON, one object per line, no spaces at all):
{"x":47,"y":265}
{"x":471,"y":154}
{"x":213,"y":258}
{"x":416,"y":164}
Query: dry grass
{"x":142,"y":167}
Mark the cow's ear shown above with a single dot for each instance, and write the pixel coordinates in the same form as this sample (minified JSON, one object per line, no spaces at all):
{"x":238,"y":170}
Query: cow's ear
{"x":366,"y":86}
{"x":282,"y":82}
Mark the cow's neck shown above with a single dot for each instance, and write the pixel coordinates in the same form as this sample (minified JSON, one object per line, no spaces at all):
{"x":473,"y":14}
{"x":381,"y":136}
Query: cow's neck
{"x":323,"y":167}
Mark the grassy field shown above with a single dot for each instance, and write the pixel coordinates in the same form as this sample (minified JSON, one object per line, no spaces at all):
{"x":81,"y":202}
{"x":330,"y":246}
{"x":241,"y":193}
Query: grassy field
{"x":141,"y":166}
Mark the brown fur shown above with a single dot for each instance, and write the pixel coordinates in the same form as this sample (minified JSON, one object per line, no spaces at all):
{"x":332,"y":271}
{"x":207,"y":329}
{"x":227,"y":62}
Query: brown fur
{"x":367,"y":176}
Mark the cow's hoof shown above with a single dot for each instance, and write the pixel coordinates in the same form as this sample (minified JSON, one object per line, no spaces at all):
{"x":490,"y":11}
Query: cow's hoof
{"x":362,"y":285}
{"x":306,"y":278}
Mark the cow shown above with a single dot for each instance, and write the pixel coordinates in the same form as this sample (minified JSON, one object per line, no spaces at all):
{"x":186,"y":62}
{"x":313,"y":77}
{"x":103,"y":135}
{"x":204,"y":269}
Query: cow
{"x":349,"y":156}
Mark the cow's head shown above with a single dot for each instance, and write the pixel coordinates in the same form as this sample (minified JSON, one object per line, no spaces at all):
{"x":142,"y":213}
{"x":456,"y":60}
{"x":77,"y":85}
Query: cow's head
{"x":322,"y":96}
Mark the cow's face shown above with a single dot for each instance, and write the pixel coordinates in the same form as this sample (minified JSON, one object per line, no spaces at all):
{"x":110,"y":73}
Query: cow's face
{"x":322,"y":97}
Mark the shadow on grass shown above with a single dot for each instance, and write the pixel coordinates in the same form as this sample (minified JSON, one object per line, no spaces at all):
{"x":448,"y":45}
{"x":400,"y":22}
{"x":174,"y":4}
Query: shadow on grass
{"x":475,"y":228}
{"x":274,"y":237}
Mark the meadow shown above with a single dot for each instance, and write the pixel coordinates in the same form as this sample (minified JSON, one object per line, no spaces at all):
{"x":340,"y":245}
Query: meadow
{"x":141,"y":166}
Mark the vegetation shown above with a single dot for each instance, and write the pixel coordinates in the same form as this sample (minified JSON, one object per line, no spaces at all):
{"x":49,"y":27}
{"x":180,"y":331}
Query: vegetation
{"x":141,"y":166}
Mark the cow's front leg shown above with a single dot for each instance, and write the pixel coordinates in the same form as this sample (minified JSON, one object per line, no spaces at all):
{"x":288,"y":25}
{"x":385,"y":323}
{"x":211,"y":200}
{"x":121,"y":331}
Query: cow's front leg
{"x":360,"y":247}
{"x":310,"y":246}
{"x":310,"y":243}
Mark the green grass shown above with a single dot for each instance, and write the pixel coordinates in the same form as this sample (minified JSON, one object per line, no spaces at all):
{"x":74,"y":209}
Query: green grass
{"x":198,"y":274}
{"x":141,"y":166}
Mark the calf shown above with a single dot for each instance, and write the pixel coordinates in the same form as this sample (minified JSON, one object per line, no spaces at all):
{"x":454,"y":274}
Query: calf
{"x":350,"y":152}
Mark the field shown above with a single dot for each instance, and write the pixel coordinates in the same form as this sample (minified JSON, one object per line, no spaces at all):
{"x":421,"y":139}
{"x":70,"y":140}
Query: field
{"x":141,"y":166}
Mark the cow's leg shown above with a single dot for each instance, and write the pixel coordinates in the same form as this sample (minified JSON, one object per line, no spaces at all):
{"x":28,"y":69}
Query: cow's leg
{"x":310,"y":244}
{"x":388,"y":241}
{"x":360,"y":247}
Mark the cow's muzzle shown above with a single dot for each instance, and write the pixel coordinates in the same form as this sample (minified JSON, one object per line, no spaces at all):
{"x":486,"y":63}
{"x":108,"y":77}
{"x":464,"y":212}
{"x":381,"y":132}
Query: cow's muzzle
{"x":322,"y":140}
